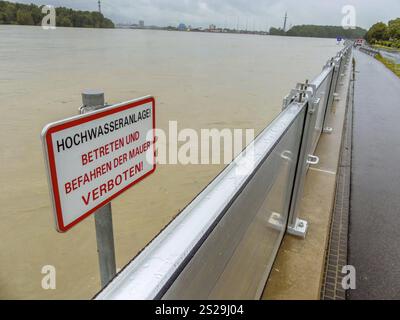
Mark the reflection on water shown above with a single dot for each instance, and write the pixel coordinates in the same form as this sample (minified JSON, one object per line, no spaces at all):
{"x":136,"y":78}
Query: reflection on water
{"x":200,"y":80}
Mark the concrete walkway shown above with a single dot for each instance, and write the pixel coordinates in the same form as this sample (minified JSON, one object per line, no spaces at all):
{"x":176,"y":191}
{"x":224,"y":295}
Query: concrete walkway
{"x":374,"y":236}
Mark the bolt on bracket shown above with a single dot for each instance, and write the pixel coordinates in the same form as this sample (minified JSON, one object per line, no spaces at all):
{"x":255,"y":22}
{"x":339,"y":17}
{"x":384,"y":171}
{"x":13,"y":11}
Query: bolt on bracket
{"x":299,"y":229}
{"x":328,"y":130}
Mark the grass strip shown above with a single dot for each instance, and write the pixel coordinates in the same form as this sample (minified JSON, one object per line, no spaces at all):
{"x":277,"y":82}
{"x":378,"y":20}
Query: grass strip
{"x":390,"y":64}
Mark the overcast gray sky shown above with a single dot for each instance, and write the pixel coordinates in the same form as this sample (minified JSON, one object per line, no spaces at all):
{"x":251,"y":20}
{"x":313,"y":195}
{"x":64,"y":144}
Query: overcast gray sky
{"x":258,"y":14}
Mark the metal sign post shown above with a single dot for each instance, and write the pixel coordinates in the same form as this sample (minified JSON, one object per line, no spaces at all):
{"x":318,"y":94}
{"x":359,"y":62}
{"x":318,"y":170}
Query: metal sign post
{"x":94,"y":100}
{"x":105,"y":244}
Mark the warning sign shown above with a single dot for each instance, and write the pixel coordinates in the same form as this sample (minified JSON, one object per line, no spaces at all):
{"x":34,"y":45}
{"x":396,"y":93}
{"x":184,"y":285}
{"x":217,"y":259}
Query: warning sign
{"x":93,"y":158}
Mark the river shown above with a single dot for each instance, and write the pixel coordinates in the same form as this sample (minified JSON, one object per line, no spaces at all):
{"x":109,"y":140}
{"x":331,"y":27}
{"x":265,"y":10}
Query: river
{"x":201,"y":80}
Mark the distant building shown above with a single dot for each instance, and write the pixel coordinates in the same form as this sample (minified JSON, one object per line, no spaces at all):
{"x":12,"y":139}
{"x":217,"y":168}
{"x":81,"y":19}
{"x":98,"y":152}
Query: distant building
{"x":212,"y":27}
{"x":182,"y":27}
{"x":359,"y":42}
{"x":141,"y":24}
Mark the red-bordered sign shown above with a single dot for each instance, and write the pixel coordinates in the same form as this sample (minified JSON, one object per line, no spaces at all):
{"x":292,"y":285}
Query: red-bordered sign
{"x":92,"y":158}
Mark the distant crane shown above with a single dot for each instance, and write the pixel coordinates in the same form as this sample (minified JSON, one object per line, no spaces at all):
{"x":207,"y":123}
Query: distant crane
{"x":99,"y":2}
{"x":285,"y":22}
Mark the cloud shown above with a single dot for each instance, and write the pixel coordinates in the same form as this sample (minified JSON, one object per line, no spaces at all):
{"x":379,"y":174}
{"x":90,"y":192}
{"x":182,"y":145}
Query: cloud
{"x":258,"y":14}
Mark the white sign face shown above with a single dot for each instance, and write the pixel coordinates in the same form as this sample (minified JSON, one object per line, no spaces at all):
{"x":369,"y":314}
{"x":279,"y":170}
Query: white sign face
{"x":93,"y":158}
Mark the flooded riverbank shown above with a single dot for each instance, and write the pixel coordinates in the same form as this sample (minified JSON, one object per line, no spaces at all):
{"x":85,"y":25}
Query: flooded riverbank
{"x":199,"y":80}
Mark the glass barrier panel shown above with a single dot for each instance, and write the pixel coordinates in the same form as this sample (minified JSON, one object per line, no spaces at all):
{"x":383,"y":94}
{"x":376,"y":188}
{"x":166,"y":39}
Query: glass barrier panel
{"x":322,"y":94}
{"x":235,"y":259}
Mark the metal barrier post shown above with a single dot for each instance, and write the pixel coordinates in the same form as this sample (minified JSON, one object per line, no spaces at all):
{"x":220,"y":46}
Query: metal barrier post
{"x":296,"y":226}
{"x":304,"y":92}
{"x":325,"y":128}
{"x":339,"y":64}
{"x":94,"y":100}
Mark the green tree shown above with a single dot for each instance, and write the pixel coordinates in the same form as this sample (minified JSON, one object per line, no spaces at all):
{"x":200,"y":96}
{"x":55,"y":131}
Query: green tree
{"x":17,"y":13}
{"x":24,"y":17}
{"x":9,"y":12}
{"x":3,"y":18}
{"x":107,"y":23}
{"x":36,"y":13}
{"x":64,"y":22}
{"x":378,"y":32}
{"x":394,"y":29}
{"x":276,"y":32}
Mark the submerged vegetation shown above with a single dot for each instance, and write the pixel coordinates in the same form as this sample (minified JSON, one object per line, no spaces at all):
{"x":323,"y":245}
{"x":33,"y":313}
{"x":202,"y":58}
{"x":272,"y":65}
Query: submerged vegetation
{"x":30,"y":14}
{"x":320,"y":32}
{"x":390,"y":64}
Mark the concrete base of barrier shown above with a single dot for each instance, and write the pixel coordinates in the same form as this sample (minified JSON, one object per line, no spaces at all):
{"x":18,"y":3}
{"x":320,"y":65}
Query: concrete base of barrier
{"x":299,"y":267}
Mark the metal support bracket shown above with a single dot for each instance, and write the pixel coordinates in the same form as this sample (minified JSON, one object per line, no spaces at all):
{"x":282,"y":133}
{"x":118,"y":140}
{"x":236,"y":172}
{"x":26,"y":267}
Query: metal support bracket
{"x":299,"y":229}
{"x":328,"y":130}
{"x":287,"y":155}
{"x":302,"y":92}
{"x":336,"y":96}
{"x":312,"y":160}
{"x":314,"y":104}
{"x":276,"y":222}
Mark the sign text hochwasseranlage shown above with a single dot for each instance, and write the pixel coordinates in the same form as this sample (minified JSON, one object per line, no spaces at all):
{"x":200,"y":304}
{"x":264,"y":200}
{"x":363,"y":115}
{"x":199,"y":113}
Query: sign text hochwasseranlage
{"x":95,"y":157}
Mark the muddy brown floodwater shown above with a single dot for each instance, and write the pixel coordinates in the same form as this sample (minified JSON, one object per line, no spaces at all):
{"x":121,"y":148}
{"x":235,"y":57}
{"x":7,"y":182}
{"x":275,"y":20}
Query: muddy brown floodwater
{"x":200,"y":80}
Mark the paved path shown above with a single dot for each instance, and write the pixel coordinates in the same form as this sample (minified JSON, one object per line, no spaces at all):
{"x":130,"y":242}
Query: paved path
{"x":374,"y":236}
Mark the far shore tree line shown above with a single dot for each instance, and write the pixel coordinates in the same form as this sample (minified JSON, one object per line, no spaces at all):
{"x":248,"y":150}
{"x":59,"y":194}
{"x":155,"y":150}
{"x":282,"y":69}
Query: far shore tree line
{"x":380,"y":33}
{"x":30,"y":14}
{"x":383,"y":34}
{"x":320,"y":32}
